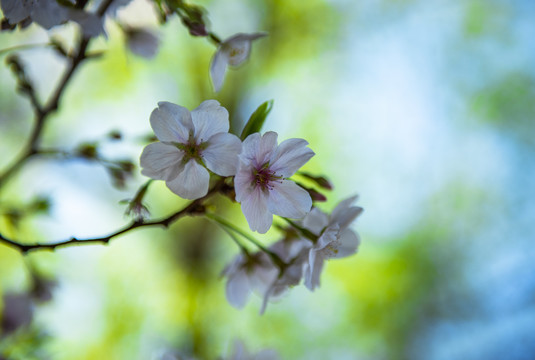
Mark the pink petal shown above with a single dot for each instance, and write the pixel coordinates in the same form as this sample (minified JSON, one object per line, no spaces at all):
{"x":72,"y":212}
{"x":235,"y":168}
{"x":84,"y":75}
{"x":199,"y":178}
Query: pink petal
{"x":254,"y":207}
{"x":242,"y":182}
{"x":221,"y":155}
{"x":290,"y":156}
{"x":287,"y":199}
{"x":192,"y":183}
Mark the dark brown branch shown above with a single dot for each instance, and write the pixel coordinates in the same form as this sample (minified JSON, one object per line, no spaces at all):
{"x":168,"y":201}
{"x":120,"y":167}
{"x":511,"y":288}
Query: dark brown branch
{"x":42,"y":114}
{"x":194,"y":208}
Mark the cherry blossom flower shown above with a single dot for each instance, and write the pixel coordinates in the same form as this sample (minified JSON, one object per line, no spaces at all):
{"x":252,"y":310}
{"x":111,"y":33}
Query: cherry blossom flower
{"x":233,"y":51}
{"x":261,"y":182}
{"x":247,"y":273}
{"x":190,"y":143}
{"x":335,"y":239}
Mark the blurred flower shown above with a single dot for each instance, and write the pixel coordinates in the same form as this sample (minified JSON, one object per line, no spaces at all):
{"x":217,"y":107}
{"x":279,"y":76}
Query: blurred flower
{"x":335,"y":240}
{"x":48,"y":13}
{"x":293,"y":252}
{"x":261,"y":185}
{"x":189,"y":144}
{"x":233,"y":51}
{"x":142,"y":42}
{"x":247,"y":273}
{"x":239,"y":352}
{"x":17,"y":312}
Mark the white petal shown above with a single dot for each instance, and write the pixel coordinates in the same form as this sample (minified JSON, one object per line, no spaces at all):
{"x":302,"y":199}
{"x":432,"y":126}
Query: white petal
{"x":48,"y":13}
{"x":192,"y":183}
{"x":221,"y":155}
{"x":315,"y":221}
{"x":254,"y":207}
{"x":161,"y":162}
{"x":171,"y":122}
{"x":349,"y":243}
{"x":15,"y":10}
{"x":209,"y":118}
{"x":237,"y":289}
{"x":290,"y":156}
{"x":288,"y":199}
{"x":313,"y":270}
{"x":218,"y":68}
{"x":238,"y":47}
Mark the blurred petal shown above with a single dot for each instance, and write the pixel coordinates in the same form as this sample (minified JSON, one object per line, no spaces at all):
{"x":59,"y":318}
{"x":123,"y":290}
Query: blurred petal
{"x":209,"y":118}
{"x":15,"y":10}
{"x":344,"y":213}
{"x":221,"y":155}
{"x":254,"y":207}
{"x":288,"y":199}
{"x":142,"y":42}
{"x":313,"y":270}
{"x":192,"y":183}
{"x":161,"y":162}
{"x":349,"y":242}
{"x":290,"y":156}
{"x":171,"y":122}
{"x":315,"y":221}
{"x":237,"y":289}
{"x":48,"y":13}
{"x":218,"y":67}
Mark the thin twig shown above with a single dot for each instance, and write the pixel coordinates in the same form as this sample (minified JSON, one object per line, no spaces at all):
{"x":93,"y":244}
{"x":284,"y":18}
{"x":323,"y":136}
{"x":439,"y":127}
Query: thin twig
{"x":194,"y":208}
{"x":42,"y":114}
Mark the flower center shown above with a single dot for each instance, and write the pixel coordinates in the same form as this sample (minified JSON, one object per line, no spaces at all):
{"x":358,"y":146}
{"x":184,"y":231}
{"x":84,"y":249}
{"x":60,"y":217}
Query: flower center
{"x":264,"y":177}
{"x":192,"y":150}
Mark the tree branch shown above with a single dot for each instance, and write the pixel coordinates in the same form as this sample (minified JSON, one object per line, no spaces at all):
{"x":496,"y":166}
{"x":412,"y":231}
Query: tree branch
{"x":42,"y":114}
{"x":194,"y":208}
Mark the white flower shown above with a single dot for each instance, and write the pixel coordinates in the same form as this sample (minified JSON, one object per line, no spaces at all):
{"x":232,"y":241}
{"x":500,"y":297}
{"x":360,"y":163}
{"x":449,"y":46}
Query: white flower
{"x":233,"y":51}
{"x":142,"y":42}
{"x":190,"y":143}
{"x":335,"y":240}
{"x":261,"y":185}
{"x":247,"y":273}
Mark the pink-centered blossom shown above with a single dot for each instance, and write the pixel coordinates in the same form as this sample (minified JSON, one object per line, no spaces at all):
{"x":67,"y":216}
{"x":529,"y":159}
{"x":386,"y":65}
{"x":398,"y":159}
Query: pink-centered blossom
{"x":231,"y":52}
{"x":335,"y":238}
{"x":261,"y":182}
{"x":190,"y":143}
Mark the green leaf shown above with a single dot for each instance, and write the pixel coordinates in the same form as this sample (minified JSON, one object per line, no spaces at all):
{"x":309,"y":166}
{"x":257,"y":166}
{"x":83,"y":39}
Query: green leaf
{"x":257,"y":119}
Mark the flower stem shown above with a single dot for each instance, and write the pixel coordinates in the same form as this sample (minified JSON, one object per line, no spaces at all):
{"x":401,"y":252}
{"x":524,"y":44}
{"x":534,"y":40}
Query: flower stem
{"x":306,"y":233}
{"x":274,"y":257}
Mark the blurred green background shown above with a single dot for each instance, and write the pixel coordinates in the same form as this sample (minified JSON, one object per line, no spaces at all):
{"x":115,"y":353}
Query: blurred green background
{"x":424,"y":108}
